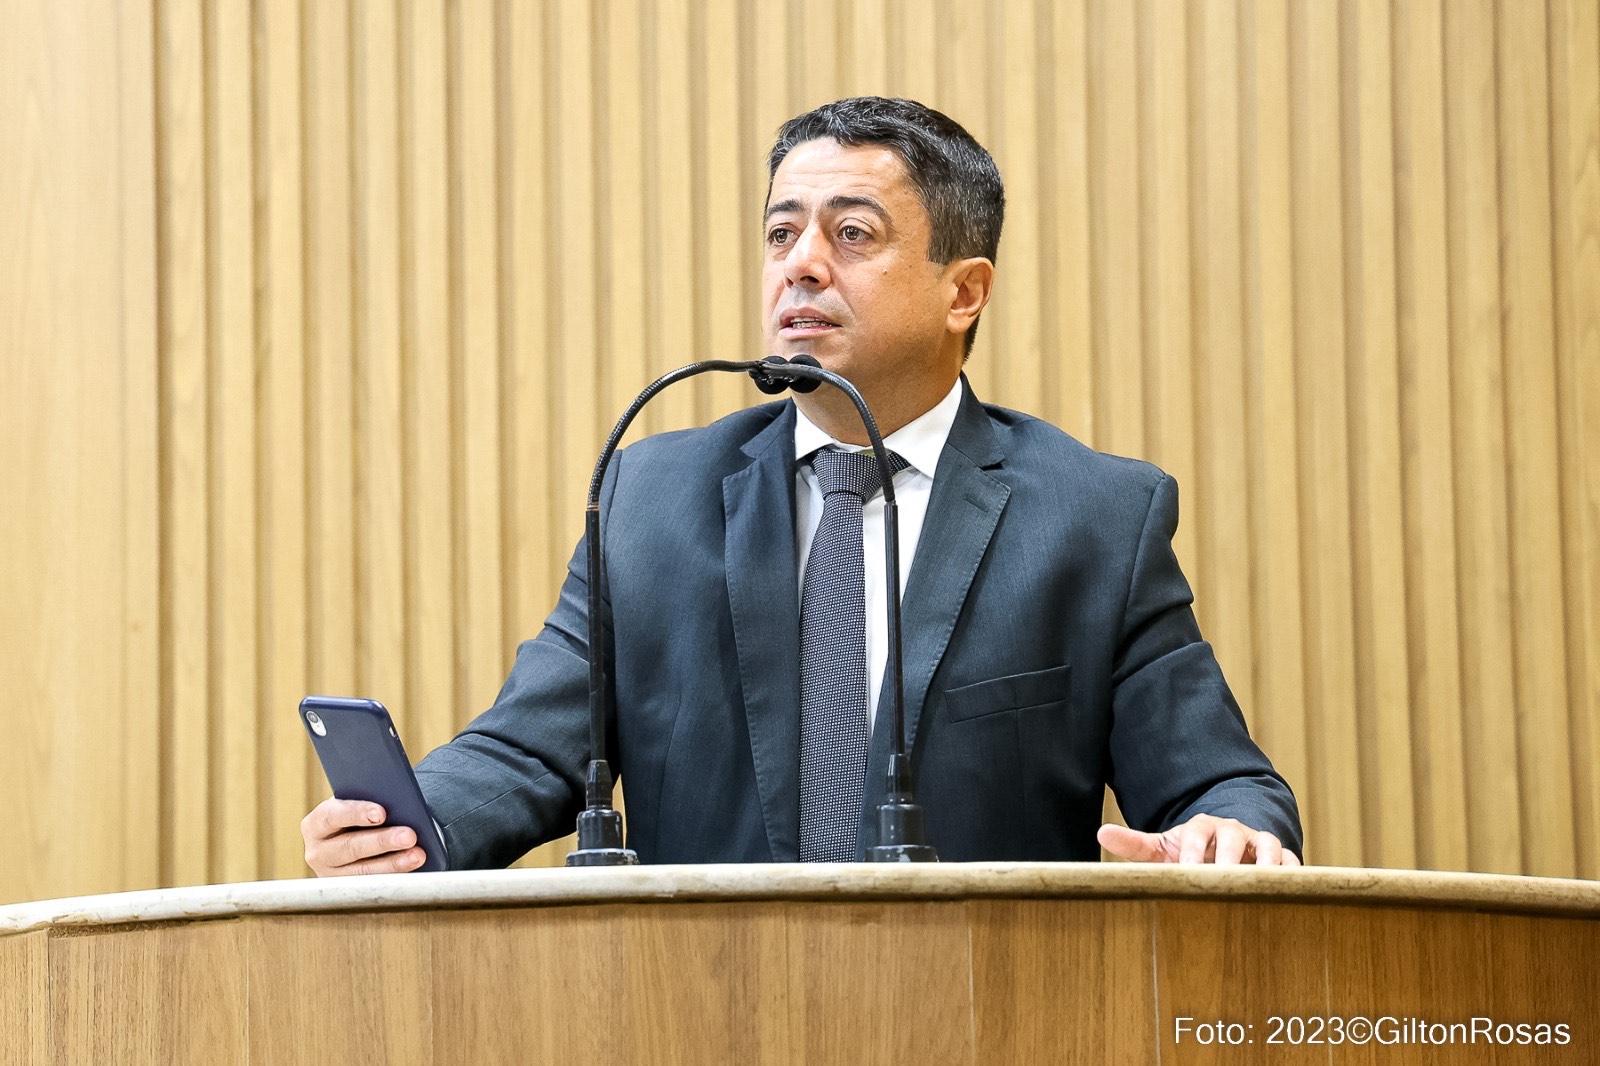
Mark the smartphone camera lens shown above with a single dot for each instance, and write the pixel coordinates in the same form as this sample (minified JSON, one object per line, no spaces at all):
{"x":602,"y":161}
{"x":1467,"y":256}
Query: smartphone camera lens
{"x":314,"y":720}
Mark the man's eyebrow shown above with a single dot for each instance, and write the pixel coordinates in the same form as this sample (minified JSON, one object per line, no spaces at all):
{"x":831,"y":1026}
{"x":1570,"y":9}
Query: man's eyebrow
{"x":843,"y":203}
{"x":834,"y":203}
{"x":780,"y":207}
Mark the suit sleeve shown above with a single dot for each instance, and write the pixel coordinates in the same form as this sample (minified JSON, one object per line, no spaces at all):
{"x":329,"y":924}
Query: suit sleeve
{"x":1179,"y":745}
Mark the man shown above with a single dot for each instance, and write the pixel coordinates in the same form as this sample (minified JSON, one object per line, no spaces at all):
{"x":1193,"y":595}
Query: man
{"x":1049,"y":644}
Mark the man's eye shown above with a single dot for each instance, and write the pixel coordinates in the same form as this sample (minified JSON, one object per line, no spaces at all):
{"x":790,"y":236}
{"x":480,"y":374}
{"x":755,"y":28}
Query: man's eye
{"x":853,"y":233}
{"x":778,"y":236}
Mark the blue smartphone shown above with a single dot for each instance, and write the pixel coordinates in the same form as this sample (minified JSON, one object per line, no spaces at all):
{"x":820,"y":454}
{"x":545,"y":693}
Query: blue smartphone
{"x":362,"y":756}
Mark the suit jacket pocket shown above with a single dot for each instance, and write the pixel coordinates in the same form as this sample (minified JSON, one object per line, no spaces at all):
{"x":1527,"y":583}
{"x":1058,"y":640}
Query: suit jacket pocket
{"x":1011,"y":692}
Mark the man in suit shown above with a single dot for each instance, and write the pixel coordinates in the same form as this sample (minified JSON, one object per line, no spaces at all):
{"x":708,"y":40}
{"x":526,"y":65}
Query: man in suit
{"x":1050,"y":648}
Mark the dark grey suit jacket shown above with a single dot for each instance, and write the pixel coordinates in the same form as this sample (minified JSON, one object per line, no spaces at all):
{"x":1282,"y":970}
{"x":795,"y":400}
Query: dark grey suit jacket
{"x":1049,"y":649}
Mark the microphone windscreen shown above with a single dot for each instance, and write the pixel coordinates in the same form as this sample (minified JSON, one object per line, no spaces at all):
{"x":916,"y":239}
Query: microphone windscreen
{"x":805,"y":384}
{"x":763,"y":376}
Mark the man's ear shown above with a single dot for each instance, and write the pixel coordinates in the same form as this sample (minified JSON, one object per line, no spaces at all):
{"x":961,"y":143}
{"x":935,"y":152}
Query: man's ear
{"x":972,"y":282}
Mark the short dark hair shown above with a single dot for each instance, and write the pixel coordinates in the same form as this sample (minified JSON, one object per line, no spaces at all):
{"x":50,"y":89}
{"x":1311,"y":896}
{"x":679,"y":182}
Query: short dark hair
{"x":955,"y":178}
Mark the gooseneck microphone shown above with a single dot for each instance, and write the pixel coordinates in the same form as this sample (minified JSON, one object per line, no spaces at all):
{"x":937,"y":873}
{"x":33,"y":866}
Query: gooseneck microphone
{"x":901,"y":837}
{"x":600,"y":841}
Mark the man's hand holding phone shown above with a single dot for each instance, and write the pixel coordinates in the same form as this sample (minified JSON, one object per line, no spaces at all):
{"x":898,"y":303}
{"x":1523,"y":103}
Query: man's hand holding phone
{"x":349,"y":837}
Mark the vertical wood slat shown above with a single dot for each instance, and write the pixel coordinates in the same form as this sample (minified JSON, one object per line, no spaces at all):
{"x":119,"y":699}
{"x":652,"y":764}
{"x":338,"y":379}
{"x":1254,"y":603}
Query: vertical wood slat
{"x":816,"y":42}
{"x":1280,"y":648}
{"x":667,"y":216}
{"x":1495,"y":800}
{"x":541,"y":540}
{"x":695,"y":242}
{"x":1384,"y":697}
{"x":1068,"y":352}
{"x":281,"y":350}
{"x":766,"y":79}
{"x":724,"y":170}
{"x":864,"y":44}
{"x":1422,"y":281}
{"x":1575,"y":183}
{"x":964,"y":86}
{"x":329,"y":367}
{"x":622,"y":211}
{"x":914,"y":49}
{"x":231,"y":495}
{"x":1332,"y":265}
{"x":1217,"y":502}
{"x":1115,"y":275}
{"x":1321,"y":350}
{"x":141,"y":697}
{"x":380,"y":516}
{"x":1538,"y":615}
{"x":430,"y":692}
{"x":575,"y":233}
{"x":1016,"y":324}
{"x":1165,"y":250}
{"x":769,"y":82}
{"x":479,"y":564}
{"x":187,"y":800}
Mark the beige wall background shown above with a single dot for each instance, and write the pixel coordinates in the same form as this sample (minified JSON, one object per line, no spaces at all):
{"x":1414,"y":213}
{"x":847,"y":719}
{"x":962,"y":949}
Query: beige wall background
{"x":313,"y":316}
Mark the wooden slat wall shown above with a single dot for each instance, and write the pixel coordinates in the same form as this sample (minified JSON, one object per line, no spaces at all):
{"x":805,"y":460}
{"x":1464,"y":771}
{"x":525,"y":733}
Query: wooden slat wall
{"x":382,"y":274}
{"x":79,"y":725}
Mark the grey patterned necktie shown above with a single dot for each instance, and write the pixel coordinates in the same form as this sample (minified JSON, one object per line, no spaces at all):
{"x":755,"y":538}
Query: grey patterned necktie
{"x":833,"y":659}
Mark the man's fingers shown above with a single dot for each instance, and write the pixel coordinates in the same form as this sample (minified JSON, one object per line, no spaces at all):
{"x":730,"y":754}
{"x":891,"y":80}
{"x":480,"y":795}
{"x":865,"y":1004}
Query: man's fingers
{"x":352,"y":851}
{"x":1131,"y":844}
{"x":356,"y":845}
{"x":1198,"y":835}
{"x":397,"y":862}
{"x":1232,"y":839}
{"x":332,"y":815}
{"x":1268,"y":849}
{"x":340,"y":839}
{"x":1203,"y":838}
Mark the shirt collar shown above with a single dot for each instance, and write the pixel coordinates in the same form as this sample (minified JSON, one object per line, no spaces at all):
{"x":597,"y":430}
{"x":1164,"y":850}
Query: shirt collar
{"x":918,"y":442}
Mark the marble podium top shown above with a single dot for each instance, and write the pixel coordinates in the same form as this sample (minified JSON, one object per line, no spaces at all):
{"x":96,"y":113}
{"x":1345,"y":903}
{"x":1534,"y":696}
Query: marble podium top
{"x":816,"y":882}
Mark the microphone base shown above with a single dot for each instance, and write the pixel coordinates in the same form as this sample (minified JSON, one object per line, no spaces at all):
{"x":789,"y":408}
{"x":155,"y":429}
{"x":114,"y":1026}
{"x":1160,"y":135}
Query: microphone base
{"x":600,"y":840}
{"x":900,"y":830}
{"x":602,"y":857}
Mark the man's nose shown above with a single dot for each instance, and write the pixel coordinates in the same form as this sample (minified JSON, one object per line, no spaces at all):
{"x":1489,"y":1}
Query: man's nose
{"x":807,"y":261}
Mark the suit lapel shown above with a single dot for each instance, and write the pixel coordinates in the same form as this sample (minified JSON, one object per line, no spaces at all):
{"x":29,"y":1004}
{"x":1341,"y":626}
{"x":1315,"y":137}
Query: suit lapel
{"x":963,"y":512}
{"x":759,"y":553}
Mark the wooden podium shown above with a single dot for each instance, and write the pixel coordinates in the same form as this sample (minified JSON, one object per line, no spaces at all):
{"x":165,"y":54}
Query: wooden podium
{"x":962,"y":963}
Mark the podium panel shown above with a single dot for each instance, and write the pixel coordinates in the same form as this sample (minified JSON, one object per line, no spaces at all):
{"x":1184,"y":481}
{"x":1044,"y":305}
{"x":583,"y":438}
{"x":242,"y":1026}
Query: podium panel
{"x":980,"y":963}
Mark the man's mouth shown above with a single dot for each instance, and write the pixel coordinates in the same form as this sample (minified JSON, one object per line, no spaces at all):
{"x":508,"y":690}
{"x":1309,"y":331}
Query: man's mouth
{"x":806,"y":326}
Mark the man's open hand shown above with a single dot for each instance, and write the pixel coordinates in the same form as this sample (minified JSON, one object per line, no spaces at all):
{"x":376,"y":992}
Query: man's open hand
{"x":1203,"y":838}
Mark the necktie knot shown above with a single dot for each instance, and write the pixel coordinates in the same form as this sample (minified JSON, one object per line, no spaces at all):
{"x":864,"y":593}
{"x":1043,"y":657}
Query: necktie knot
{"x":852,"y":472}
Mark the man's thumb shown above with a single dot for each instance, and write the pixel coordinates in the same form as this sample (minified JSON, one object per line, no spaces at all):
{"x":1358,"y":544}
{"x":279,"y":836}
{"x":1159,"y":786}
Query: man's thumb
{"x":1129,"y":843}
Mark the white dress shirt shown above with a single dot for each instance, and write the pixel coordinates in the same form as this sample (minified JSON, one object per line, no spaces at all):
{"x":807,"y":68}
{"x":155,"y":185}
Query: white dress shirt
{"x":919,"y":444}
